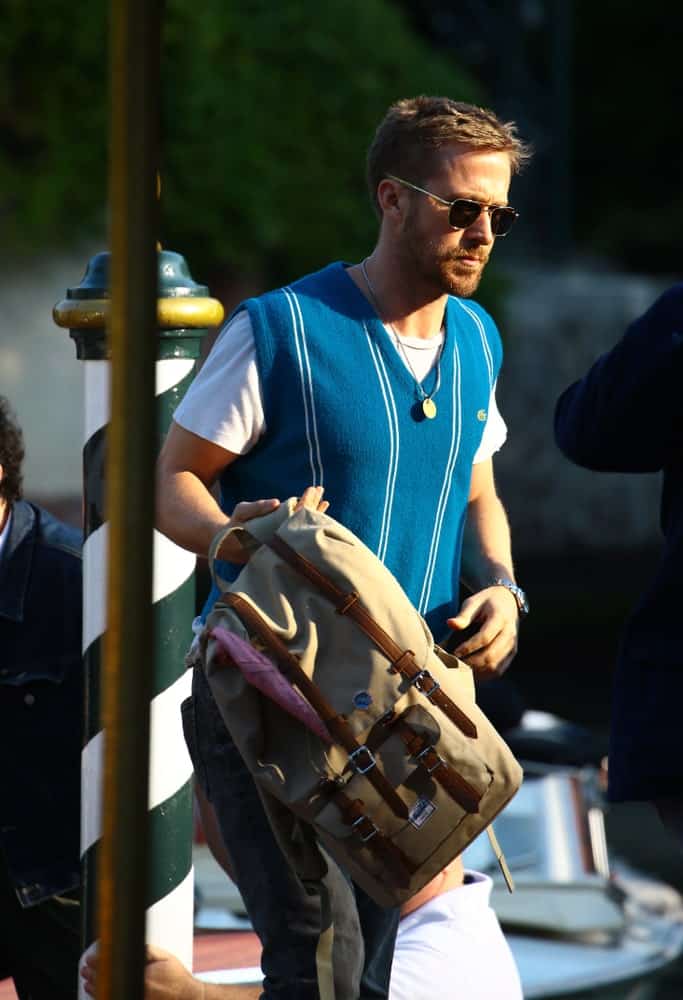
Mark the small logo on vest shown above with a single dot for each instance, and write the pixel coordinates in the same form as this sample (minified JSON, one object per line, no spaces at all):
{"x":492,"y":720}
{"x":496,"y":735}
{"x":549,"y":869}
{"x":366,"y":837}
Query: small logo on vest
{"x":481,"y":415}
{"x":362,"y":699}
{"x":421,"y":812}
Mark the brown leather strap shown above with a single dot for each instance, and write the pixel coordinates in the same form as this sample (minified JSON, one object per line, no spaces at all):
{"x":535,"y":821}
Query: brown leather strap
{"x":426,"y":756}
{"x":361,"y":757}
{"x":354,"y":814}
{"x":402,"y":660}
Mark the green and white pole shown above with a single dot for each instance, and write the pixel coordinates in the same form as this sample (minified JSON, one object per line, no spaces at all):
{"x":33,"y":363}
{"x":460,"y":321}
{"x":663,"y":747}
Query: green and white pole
{"x":184,"y":313}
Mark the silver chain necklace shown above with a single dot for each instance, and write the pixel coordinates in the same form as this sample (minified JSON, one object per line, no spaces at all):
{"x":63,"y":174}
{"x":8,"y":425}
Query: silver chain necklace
{"x":427,"y":403}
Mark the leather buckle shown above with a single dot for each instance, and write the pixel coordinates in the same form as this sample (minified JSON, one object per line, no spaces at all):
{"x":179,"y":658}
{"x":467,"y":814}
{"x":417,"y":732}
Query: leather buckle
{"x":440,"y":762}
{"x":419,"y":681}
{"x":370,"y":757}
{"x":435,"y":684}
{"x":372,"y":832}
{"x":347,"y":601}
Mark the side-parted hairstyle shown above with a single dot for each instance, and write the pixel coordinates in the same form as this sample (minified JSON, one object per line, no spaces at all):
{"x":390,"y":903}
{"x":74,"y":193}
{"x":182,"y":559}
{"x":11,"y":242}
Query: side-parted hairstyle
{"x":415,"y":128}
{"x":11,"y":453}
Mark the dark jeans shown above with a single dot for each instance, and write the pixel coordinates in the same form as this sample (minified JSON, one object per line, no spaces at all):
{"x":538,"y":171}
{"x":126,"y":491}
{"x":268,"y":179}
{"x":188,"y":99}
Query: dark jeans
{"x":39,"y":945}
{"x":297,"y":923}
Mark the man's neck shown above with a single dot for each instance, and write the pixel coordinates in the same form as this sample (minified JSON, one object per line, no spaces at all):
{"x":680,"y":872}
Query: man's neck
{"x":4,"y":514}
{"x":451,"y":877}
{"x":397,"y":297}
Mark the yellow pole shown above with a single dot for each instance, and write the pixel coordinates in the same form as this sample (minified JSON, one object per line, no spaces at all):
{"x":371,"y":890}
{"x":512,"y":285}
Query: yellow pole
{"x":129,"y":639}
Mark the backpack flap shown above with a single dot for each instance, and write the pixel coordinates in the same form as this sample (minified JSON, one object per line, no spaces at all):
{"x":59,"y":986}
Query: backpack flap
{"x":451,"y":792}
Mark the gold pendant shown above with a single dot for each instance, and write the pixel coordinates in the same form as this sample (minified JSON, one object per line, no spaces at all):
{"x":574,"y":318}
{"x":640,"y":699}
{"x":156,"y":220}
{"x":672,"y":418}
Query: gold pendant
{"x":429,"y":408}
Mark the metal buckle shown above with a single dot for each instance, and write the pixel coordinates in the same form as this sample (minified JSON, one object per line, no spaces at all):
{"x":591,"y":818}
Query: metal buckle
{"x":439,"y":759}
{"x":417,"y":679}
{"x":357,"y":767}
{"x":425,"y":674}
{"x":373,"y":832}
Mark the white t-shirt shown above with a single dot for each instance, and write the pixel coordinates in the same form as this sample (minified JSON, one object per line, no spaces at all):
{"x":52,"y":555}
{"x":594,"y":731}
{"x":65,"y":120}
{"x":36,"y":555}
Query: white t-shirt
{"x":453,"y":948}
{"x":224,"y":404}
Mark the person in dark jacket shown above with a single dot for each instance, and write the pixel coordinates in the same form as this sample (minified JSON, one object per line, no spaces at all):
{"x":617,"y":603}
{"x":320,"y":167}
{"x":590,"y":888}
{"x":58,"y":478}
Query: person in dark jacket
{"x":626,"y":415}
{"x":41,"y":711}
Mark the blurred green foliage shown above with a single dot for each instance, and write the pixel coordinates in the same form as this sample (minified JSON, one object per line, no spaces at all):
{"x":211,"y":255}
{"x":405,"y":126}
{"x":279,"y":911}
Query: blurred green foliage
{"x":53,"y":66}
{"x":268,"y":109}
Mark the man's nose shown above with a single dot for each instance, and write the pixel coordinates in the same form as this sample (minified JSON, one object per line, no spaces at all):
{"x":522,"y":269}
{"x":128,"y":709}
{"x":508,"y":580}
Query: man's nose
{"x":480,"y":230}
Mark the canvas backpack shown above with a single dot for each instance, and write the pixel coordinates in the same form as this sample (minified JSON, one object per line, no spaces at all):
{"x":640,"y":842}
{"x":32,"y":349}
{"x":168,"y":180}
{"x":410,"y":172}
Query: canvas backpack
{"x":346,"y":712}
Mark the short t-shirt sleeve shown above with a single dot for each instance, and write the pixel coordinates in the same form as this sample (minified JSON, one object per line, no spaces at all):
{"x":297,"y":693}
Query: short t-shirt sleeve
{"x":495,"y":432}
{"x":224,"y":403}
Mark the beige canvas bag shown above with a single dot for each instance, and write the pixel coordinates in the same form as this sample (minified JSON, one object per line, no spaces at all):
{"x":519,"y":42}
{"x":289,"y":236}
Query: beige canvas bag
{"x":389,"y":758}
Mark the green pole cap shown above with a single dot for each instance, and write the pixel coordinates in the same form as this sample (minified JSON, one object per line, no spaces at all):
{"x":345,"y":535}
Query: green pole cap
{"x":184,"y":310}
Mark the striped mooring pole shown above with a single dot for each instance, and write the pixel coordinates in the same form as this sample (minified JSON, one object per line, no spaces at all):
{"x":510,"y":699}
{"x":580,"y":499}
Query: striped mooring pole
{"x":184,"y":314}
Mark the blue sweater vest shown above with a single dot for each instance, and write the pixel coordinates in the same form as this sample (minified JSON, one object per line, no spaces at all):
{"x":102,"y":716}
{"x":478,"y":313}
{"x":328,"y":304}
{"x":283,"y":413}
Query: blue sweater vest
{"x":340,"y":411}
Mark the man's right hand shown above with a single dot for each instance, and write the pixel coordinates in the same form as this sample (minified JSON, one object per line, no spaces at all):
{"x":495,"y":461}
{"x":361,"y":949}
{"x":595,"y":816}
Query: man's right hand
{"x":312,"y":497}
{"x":232,"y":551}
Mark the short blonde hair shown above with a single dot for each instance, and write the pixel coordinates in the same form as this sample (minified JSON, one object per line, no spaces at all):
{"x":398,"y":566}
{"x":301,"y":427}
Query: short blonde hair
{"x":414,"y":128}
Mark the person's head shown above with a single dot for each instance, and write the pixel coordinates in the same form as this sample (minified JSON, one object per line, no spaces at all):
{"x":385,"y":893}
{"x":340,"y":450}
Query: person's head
{"x":451,"y":150}
{"x":11,"y":457}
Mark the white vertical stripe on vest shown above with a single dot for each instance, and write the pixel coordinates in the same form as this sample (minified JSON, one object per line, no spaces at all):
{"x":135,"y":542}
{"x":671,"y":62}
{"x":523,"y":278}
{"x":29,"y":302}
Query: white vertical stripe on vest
{"x":456,"y":430}
{"x":485,"y":344}
{"x":316,"y":480}
{"x":394,"y":443}
{"x":309,"y":378}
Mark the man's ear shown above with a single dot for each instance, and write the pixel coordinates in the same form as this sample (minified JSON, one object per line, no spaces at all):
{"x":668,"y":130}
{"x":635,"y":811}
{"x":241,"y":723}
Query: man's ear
{"x":2,"y":473}
{"x":389,"y":194}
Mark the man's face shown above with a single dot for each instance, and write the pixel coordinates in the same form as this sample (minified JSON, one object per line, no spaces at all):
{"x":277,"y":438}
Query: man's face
{"x":446,"y":260}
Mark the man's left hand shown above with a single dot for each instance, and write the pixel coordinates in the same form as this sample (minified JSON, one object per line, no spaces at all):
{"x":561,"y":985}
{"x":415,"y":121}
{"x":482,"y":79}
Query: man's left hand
{"x":491,"y":648}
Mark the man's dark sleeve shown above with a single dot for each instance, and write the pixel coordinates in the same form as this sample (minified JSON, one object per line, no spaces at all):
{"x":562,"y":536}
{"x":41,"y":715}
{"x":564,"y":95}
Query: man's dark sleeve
{"x":626,"y":413}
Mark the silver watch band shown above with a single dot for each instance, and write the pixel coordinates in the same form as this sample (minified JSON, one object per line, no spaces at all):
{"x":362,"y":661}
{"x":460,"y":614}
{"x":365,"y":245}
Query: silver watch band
{"x":516,"y":591}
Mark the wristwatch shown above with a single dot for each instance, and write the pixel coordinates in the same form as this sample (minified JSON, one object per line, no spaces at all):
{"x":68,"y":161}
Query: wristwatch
{"x":517,"y":593}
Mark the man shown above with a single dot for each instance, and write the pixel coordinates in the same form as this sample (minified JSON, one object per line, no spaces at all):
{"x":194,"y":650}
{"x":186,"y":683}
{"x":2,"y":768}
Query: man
{"x":40,"y":737}
{"x":375,"y":381}
{"x":625,"y":415}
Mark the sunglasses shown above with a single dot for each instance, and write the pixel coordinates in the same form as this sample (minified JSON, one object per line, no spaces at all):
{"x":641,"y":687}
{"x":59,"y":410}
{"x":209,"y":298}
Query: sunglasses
{"x":464,"y":212}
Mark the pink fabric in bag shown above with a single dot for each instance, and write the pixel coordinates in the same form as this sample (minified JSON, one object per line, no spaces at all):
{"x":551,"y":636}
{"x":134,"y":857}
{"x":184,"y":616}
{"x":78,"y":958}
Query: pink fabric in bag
{"x":262,"y":673}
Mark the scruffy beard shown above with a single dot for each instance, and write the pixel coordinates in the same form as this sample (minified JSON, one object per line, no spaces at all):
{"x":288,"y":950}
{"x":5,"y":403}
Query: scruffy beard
{"x":440,"y":270}
{"x":454,"y":278}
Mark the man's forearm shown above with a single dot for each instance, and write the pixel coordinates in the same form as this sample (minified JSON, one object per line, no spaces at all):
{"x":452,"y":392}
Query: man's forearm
{"x":486,"y":551}
{"x":492,"y":609}
{"x":188,"y":513}
{"x":220,"y":991}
